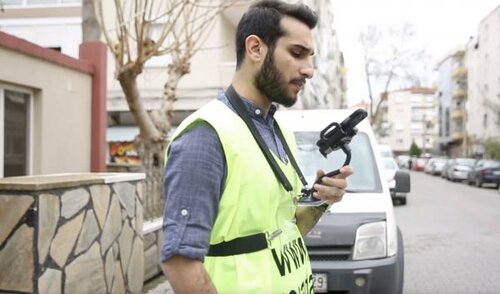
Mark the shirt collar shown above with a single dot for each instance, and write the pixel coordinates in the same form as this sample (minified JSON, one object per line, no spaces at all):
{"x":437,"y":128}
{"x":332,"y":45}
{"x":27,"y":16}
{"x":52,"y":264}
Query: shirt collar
{"x":255,"y":111}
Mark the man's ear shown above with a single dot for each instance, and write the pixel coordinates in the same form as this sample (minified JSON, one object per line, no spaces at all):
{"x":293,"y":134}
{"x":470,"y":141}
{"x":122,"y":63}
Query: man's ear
{"x":255,"y":48}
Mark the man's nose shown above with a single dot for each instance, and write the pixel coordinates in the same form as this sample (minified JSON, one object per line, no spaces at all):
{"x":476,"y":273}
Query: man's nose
{"x":307,"y":69}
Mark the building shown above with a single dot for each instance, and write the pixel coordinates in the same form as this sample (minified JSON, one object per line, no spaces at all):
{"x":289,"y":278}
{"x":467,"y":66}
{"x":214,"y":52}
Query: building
{"x":56,"y":24}
{"x":327,"y":88}
{"x":410,"y":115}
{"x":483,"y":92}
{"x":452,"y":97}
{"x":47,"y":101}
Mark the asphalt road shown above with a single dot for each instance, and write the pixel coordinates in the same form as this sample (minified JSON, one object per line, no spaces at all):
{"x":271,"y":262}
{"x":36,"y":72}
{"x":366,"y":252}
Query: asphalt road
{"x":451,"y":237}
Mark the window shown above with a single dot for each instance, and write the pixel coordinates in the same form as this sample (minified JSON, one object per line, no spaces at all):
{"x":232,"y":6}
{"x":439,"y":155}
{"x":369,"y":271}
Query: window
{"x":15,"y":131}
{"x":485,"y":120}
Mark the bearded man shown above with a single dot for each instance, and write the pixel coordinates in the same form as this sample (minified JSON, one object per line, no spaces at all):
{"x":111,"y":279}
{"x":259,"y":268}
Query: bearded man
{"x":231,"y":223}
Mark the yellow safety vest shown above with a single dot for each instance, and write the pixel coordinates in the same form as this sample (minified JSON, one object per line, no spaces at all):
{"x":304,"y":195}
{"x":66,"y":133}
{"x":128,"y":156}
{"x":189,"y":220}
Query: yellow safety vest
{"x":253,"y":202}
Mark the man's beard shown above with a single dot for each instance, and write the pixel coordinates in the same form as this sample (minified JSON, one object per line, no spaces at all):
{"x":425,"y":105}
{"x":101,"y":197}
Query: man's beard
{"x":269,"y":81}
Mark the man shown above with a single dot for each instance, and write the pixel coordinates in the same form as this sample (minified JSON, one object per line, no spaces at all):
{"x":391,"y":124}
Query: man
{"x":231,"y":224}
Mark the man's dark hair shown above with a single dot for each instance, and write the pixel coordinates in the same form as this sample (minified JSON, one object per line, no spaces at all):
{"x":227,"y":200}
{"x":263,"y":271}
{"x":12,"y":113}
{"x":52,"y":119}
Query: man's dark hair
{"x":263,"y":20}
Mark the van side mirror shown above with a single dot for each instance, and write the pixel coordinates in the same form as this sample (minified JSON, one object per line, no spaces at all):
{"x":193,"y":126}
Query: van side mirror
{"x":402,"y":179}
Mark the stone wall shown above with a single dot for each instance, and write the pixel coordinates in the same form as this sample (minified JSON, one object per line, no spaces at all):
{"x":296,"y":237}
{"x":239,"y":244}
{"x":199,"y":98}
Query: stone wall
{"x":72,"y":233}
{"x":153,"y":237}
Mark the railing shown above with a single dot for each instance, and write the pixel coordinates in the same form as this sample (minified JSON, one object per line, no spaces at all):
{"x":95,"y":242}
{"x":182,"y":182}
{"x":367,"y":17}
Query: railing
{"x":458,"y":113}
{"x":153,"y":201}
{"x":459,"y":73}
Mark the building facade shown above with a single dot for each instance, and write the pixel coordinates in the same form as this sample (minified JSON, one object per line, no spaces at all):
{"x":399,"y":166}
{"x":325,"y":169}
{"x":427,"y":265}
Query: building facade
{"x":411,"y":115}
{"x":483,"y":92}
{"x":57,"y":24}
{"x":452,"y":92}
{"x":46,"y":105}
{"x":327,"y":88}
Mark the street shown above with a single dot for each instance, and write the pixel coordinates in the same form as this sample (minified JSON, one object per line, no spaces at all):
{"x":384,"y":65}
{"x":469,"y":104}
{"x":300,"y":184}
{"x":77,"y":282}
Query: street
{"x":451,"y":237}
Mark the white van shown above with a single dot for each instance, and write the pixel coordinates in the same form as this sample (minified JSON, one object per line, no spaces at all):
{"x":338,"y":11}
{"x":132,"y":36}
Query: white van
{"x":356,"y":247}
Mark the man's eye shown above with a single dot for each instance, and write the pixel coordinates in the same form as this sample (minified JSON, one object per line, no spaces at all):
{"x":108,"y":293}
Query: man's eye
{"x":296,"y":53}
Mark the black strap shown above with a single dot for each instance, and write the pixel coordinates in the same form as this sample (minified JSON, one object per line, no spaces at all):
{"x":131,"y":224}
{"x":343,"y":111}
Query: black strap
{"x":238,"y":106}
{"x":247,"y":244}
{"x":290,"y":155}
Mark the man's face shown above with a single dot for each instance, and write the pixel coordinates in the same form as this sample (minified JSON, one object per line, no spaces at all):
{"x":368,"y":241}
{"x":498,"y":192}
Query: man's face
{"x":285,"y":69}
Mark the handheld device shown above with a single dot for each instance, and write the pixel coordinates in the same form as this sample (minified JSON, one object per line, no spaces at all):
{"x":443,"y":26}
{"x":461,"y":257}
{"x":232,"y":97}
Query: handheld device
{"x":333,"y":137}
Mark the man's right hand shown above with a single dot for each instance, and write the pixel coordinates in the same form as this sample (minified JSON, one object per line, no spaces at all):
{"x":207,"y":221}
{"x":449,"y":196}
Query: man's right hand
{"x":187,"y":275}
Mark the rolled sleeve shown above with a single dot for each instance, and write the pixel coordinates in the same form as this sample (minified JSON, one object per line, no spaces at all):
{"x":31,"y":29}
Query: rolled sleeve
{"x":193,"y":182}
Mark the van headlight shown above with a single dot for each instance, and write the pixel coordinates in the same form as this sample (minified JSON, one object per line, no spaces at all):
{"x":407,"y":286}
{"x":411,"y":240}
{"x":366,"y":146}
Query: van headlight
{"x":371,"y":241}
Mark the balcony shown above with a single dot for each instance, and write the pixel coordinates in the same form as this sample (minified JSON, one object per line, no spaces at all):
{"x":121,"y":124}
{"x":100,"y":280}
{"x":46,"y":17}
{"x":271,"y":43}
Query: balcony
{"x":458,"y":114}
{"x":459,"y":94}
{"x":457,"y":136}
{"x":459,"y":73}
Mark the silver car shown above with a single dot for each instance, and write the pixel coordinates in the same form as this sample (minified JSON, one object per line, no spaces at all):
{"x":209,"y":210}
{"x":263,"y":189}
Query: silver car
{"x":460,"y":168}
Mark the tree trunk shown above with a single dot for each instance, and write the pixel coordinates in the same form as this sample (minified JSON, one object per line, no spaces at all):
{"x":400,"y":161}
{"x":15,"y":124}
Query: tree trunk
{"x":151,"y":154}
{"x":128,"y":82}
{"x":150,"y":145}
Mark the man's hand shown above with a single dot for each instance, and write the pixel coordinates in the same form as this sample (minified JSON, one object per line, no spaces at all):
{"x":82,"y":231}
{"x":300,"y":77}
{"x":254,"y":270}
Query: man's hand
{"x":332,"y":189}
{"x":187,"y":276}
{"x":329,"y":189}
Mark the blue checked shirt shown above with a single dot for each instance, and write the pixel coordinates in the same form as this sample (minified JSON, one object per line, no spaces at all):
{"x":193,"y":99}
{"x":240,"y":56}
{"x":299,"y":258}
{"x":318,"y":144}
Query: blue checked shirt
{"x":194,"y":179}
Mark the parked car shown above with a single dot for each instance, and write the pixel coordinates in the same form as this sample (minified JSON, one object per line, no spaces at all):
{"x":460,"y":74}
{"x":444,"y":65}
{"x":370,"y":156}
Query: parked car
{"x":385,"y":151}
{"x":435,"y":165}
{"x":486,"y":171}
{"x":446,"y":167}
{"x":428,"y":166}
{"x":390,"y":169}
{"x":420,"y":163}
{"x":459,"y":168}
{"x":356,"y":246}
{"x":438,"y":166}
{"x":402,"y":161}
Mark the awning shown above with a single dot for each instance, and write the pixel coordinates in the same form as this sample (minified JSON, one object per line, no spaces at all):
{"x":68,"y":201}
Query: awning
{"x":126,"y":133}
{"x":121,"y":133}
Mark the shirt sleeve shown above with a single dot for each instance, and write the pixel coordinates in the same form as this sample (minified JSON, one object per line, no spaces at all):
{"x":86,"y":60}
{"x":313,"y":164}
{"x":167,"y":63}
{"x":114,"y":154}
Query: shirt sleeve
{"x":193,"y":182}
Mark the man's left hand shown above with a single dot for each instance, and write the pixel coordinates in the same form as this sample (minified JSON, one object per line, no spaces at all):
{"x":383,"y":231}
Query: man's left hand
{"x":332,"y":189}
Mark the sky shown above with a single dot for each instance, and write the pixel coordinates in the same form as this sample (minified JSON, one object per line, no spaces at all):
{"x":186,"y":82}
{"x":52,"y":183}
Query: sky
{"x":441,"y":26}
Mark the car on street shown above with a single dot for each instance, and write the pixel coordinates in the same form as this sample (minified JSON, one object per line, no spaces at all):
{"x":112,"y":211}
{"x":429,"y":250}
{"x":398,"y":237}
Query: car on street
{"x":385,"y":151}
{"x":390,"y":169}
{"x":459,"y":169}
{"x":486,"y":171}
{"x":419,"y":164}
{"x":402,"y":160}
{"x":435,"y":165}
{"x":356,"y":246}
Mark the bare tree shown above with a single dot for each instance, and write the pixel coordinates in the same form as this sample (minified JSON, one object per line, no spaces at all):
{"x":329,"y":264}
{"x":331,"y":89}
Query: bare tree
{"x":391,"y":57}
{"x":136,"y":31}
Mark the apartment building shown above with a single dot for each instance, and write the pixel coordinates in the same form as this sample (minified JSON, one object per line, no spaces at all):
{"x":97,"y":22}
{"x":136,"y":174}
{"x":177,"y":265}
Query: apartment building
{"x":452,"y":93}
{"x":483,"y":92}
{"x":56,"y":24}
{"x":411,"y":115}
{"x":327,"y":88}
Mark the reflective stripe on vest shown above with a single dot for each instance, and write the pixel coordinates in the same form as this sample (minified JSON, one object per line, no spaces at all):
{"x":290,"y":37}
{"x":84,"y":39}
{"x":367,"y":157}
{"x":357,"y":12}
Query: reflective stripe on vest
{"x":253,"y":202}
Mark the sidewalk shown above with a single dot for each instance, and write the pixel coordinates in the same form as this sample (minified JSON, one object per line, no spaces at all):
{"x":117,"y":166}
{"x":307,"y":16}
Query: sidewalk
{"x":158,"y":285}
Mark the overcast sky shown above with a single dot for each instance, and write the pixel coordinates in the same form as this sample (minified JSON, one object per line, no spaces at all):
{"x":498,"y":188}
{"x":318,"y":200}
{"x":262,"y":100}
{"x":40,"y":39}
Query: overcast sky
{"x":441,"y":26}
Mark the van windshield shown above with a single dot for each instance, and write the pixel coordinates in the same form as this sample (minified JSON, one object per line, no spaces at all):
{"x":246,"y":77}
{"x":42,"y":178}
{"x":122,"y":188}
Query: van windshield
{"x":365,"y":177}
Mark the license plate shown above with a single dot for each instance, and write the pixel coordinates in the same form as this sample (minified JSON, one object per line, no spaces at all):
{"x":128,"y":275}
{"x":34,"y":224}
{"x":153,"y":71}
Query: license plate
{"x":320,"y":283}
